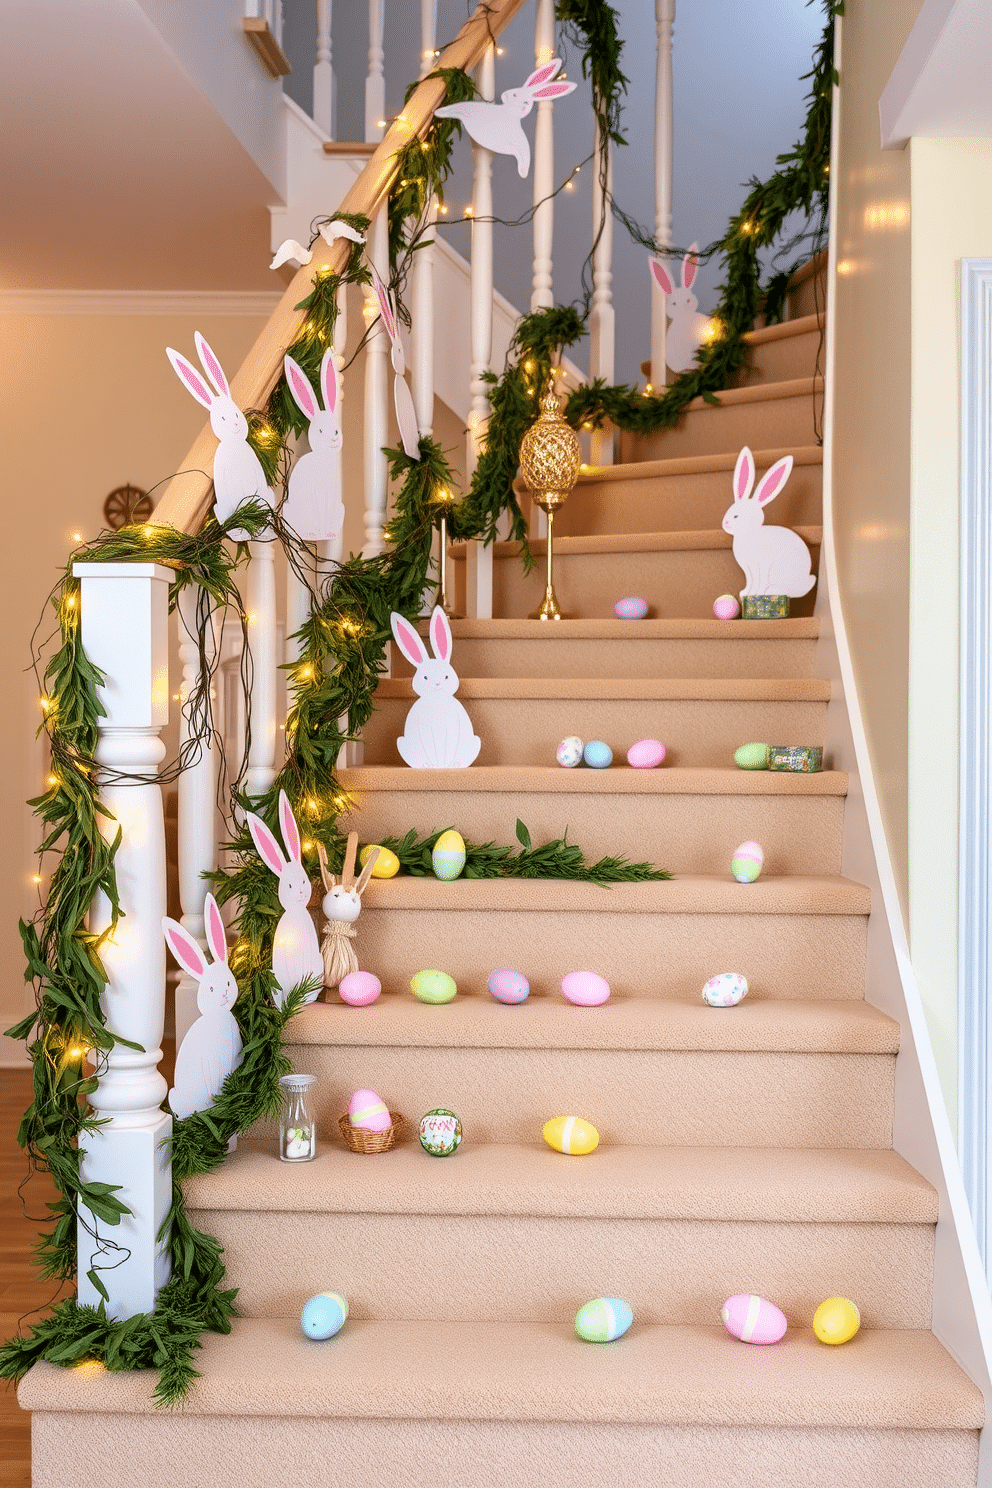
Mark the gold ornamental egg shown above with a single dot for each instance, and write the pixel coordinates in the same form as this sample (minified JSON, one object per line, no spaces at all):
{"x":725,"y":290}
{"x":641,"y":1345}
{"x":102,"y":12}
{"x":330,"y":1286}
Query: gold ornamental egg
{"x":549,"y":454}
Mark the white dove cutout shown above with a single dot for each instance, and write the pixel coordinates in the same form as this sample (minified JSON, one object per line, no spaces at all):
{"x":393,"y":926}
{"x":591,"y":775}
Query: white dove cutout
{"x":292,"y":251}
{"x":497,"y":126}
{"x":406,"y":414}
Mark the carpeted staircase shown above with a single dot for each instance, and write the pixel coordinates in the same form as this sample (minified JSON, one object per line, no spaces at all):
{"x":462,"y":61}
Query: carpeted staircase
{"x":742,"y":1150}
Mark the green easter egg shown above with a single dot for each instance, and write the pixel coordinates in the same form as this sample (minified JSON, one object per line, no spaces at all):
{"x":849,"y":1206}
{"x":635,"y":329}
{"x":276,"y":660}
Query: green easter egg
{"x":433,"y":986}
{"x":448,"y":857}
{"x":751,"y":757}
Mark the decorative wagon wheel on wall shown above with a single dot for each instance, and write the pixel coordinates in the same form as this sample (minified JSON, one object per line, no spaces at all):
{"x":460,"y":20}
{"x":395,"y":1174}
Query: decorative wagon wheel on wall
{"x":126,"y":504}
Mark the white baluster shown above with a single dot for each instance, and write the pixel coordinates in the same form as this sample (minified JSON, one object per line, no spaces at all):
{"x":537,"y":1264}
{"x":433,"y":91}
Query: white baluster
{"x":261,"y":607}
{"x":197,"y":790}
{"x":602,"y":337}
{"x":333,"y":552}
{"x":479,"y":565}
{"x":323,"y":72}
{"x":375,"y":83}
{"x":422,"y":293}
{"x":130,"y":1148}
{"x":664,"y":146}
{"x":544,"y":165}
{"x":378,"y":390}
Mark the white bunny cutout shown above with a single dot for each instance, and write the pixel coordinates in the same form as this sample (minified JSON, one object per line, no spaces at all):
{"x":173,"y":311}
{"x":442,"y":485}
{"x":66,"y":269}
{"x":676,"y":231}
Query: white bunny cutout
{"x":342,"y":905}
{"x":498,"y":126}
{"x":212,"y":1048}
{"x":295,"y":948}
{"x":775,"y":560}
{"x":406,"y":414}
{"x":688,"y":329}
{"x":238,"y":474}
{"x":438,"y":732}
{"x":313,"y":507}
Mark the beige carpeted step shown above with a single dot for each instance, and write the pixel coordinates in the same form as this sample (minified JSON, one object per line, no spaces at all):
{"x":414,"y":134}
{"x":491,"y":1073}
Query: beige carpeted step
{"x":680,"y":574}
{"x":627,"y":648}
{"x":689,"y":493}
{"x":475,"y":1405}
{"x":522,"y":720}
{"x":665,"y":1226}
{"x":808,"y":287}
{"x":771,"y":413}
{"x":778,"y":352}
{"x":683,"y":819}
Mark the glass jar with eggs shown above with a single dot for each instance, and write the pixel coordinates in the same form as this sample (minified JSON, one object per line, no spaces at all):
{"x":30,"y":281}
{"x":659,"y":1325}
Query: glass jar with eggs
{"x":297,"y":1141}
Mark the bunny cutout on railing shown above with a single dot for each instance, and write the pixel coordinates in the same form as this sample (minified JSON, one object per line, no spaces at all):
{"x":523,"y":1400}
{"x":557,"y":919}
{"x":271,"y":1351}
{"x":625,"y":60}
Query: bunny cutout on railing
{"x":438,"y":732}
{"x":238,"y":474}
{"x":313,"y":507}
{"x":498,"y":126}
{"x":296,"y":954}
{"x":775,"y":560}
{"x":342,"y":905}
{"x":212,"y":1048}
{"x":689,"y":329}
{"x":406,"y":414}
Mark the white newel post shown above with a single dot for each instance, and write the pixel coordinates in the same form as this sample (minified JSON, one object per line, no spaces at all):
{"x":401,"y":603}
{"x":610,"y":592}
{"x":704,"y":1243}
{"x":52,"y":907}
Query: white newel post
{"x":664,"y":145}
{"x":261,"y":607}
{"x":378,"y":374}
{"x":602,"y":334}
{"x":375,"y":82}
{"x":323,"y":72}
{"x":544,"y":165}
{"x":479,"y":562}
{"x":125,"y":633}
{"x":197,"y":794}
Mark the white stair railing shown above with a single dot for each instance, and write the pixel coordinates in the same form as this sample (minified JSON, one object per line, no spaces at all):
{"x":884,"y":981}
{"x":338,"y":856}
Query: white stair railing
{"x":479,"y":565}
{"x":664,"y":139}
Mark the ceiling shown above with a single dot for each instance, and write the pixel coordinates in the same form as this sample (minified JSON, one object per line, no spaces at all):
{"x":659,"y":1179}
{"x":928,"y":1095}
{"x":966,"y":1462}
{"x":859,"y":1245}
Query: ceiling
{"x":940,"y":87}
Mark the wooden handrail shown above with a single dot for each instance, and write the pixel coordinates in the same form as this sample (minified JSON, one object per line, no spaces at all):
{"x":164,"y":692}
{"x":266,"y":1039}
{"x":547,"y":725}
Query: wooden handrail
{"x":187,"y":498}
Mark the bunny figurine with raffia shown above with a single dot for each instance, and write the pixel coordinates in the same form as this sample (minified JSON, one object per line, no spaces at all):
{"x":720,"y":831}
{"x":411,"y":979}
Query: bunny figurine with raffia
{"x":342,"y":905}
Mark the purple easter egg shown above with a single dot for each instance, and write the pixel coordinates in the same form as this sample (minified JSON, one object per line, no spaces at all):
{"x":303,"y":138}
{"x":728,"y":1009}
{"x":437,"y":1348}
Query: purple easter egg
{"x":508,"y":986}
{"x":631,"y":608}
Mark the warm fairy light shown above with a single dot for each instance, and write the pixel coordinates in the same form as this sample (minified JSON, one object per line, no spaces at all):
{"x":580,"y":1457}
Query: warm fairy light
{"x":528,"y":366}
{"x":79,"y":1051}
{"x":45,"y":703}
{"x":569,"y":186}
{"x":443,"y":210}
{"x":308,"y":847}
{"x":500,"y":51}
{"x":77,"y":537}
{"x":282,"y":728}
{"x":36,"y":878}
{"x":88,"y":1366}
{"x":469,"y":211}
{"x":53,"y":780}
{"x":382,"y":123}
{"x":587,"y":425}
{"x":149,"y":531}
{"x":312,"y":806}
{"x":649,"y":388}
{"x":70,"y":603}
{"x":306,"y":672}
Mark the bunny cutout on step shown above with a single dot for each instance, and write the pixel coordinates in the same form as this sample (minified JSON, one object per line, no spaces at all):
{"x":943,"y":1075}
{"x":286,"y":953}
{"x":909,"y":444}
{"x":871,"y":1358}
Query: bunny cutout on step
{"x":775,"y":560}
{"x":295,"y":948}
{"x":212,"y":1047}
{"x":498,"y":126}
{"x":406,"y":414}
{"x":688,"y":330}
{"x":342,"y":906}
{"x":313,"y":507}
{"x":438,"y":731}
{"x":238,"y":474}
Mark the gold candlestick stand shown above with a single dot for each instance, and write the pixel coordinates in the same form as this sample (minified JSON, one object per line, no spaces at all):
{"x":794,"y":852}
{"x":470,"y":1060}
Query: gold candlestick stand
{"x":549,"y":463}
{"x":441,"y":597}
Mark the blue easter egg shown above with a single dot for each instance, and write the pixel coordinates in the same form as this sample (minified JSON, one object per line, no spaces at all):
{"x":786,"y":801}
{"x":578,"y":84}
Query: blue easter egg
{"x":603,"y":1319}
{"x":597,"y":754}
{"x":324,"y":1315}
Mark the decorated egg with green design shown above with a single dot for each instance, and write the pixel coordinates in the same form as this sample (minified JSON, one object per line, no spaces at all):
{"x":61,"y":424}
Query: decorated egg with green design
{"x":448,"y":857}
{"x":433,"y":986}
{"x":603,"y":1319}
{"x":751,"y":757}
{"x":747,"y":862}
{"x":440,"y":1132}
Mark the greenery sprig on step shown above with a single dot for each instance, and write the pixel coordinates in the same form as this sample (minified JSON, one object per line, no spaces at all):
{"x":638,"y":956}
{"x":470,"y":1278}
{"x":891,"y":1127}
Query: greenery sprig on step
{"x":558,"y":858}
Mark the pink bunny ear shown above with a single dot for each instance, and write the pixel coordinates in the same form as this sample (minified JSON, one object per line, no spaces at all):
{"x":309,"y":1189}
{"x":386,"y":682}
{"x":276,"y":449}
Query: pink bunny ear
{"x":214,"y":925}
{"x":554,"y":90}
{"x":407,"y":639}
{"x":329,"y":380}
{"x":661,"y":276}
{"x":544,"y":74}
{"x":268,"y":848}
{"x":299,"y":385}
{"x":184,"y":948}
{"x":287,"y":824}
{"x":440,"y":635}
{"x":689,"y":266}
{"x":211,"y":365}
{"x":385,"y":308}
{"x":743,"y":474}
{"x":773,"y":480}
{"x":189,"y":375}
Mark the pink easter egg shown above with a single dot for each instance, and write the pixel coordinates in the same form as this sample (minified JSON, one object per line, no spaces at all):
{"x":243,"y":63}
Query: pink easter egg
{"x":369,"y":1112}
{"x":753,"y":1319}
{"x":631,"y":608}
{"x":359,"y":988}
{"x":585,"y":988}
{"x":726,"y":607}
{"x":645,"y":754}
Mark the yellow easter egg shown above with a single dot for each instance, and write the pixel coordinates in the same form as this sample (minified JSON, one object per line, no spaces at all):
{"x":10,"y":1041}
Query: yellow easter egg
{"x":387,"y":864}
{"x":836,"y":1320}
{"x":571,"y":1134}
{"x":448,"y":857}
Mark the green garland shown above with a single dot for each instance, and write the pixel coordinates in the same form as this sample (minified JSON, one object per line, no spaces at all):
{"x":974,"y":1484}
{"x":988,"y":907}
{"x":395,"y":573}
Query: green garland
{"x":556,"y":859}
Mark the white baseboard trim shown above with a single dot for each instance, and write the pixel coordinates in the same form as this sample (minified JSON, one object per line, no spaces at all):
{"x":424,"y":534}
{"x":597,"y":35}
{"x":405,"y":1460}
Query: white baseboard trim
{"x":138,"y":302}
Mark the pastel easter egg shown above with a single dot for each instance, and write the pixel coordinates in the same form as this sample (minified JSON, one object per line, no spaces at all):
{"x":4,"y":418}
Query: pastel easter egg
{"x":751,"y":757}
{"x":630,"y":608}
{"x":597,"y":755}
{"x":387,"y":864}
{"x":726,"y":989}
{"x":440,"y":1132}
{"x":753,"y":1319}
{"x":369,"y":1112}
{"x":585,"y":988}
{"x":569,"y":752}
{"x":747,"y":862}
{"x":646,"y":754}
{"x":448,"y":857}
{"x":324,"y":1315}
{"x":571,"y":1135}
{"x":727,"y":607}
{"x":508,"y":986}
{"x":603,"y":1319}
{"x":836,"y":1320}
{"x":359,"y":988}
{"x":433,"y":986}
